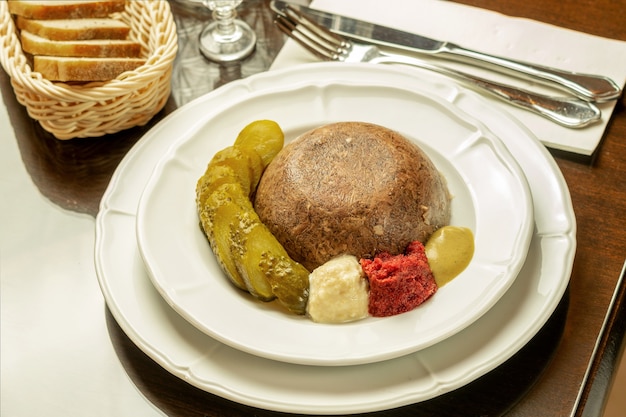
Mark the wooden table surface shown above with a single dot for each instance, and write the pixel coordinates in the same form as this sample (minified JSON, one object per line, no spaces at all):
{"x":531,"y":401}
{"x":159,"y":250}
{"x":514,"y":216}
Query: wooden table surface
{"x":560,"y":372}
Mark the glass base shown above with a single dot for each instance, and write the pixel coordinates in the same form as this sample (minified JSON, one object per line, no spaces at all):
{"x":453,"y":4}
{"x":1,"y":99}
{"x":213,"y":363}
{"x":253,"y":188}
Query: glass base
{"x":233,"y":47}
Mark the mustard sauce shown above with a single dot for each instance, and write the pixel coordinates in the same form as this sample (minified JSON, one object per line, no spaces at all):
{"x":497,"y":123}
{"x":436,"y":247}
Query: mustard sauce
{"x":449,"y":251}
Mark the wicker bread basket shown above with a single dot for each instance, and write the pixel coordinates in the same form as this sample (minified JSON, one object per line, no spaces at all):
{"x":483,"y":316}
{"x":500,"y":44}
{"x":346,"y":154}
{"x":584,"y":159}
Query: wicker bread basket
{"x":98,"y":108}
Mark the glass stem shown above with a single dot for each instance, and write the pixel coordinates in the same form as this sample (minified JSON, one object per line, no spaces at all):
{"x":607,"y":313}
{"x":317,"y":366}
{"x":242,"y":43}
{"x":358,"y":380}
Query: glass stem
{"x":225,"y":18}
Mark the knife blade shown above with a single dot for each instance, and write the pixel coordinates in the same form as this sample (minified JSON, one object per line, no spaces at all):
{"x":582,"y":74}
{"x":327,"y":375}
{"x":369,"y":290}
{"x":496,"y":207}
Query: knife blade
{"x":589,"y":87}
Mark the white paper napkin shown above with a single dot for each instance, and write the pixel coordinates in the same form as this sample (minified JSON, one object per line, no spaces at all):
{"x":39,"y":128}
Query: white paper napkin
{"x":497,"y":34}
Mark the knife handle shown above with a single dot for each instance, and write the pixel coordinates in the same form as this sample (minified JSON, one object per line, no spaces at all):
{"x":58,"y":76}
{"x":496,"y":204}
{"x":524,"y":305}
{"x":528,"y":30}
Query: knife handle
{"x":566,"y":111}
{"x":586,"y":86}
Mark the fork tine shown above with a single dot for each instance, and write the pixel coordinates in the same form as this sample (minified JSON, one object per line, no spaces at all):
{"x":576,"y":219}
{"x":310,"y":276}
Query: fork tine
{"x":290,"y":29}
{"x":317,"y":40}
{"x":320,"y":31}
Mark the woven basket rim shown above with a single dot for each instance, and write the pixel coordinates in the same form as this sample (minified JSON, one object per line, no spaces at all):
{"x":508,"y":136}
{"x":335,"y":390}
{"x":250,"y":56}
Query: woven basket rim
{"x":72,"y":110}
{"x":14,"y":62}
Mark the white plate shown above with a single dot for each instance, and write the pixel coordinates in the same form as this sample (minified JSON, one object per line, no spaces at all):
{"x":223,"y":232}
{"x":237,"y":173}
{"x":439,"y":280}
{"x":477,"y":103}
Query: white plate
{"x":207,"y":364}
{"x":490,"y":196}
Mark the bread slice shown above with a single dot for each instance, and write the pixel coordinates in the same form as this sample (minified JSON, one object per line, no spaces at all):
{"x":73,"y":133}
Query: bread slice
{"x":37,"y":45}
{"x":62,"y":9}
{"x":69,"y":69}
{"x":75,"y":29}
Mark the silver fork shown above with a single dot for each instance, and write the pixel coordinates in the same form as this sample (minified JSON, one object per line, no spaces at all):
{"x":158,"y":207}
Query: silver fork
{"x":328,"y":46}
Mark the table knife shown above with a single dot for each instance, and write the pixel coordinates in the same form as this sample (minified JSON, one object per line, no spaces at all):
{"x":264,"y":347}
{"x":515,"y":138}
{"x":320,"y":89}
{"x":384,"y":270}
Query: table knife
{"x":589,"y":87}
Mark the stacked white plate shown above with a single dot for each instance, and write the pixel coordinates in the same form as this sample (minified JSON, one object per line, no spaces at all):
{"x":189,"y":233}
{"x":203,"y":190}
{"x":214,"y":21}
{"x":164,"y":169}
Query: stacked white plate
{"x":166,"y":291}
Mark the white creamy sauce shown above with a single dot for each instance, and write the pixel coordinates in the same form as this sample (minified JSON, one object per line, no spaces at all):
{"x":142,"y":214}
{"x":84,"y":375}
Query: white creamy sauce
{"x":338,"y":291}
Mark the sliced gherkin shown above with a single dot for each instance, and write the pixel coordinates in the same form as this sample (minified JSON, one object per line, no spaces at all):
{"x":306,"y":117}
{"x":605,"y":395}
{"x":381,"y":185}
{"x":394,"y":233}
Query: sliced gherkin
{"x":232,"y":164}
{"x":246,"y":250}
{"x":289,"y":279}
{"x":253,"y":248}
{"x":219,"y":215}
{"x":265,"y":137}
{"x":214,"y":177}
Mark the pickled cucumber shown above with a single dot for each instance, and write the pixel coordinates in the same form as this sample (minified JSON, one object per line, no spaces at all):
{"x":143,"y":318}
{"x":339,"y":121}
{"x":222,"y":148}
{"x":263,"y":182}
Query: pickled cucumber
{"x":288,"y":278}
{"x":232,"y":165}
{"x":246,"y":250}
{"x":252,"y":243}
{"x":265,"y":260}
{"x":219,"y":214}
{"x":264,"y":136}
